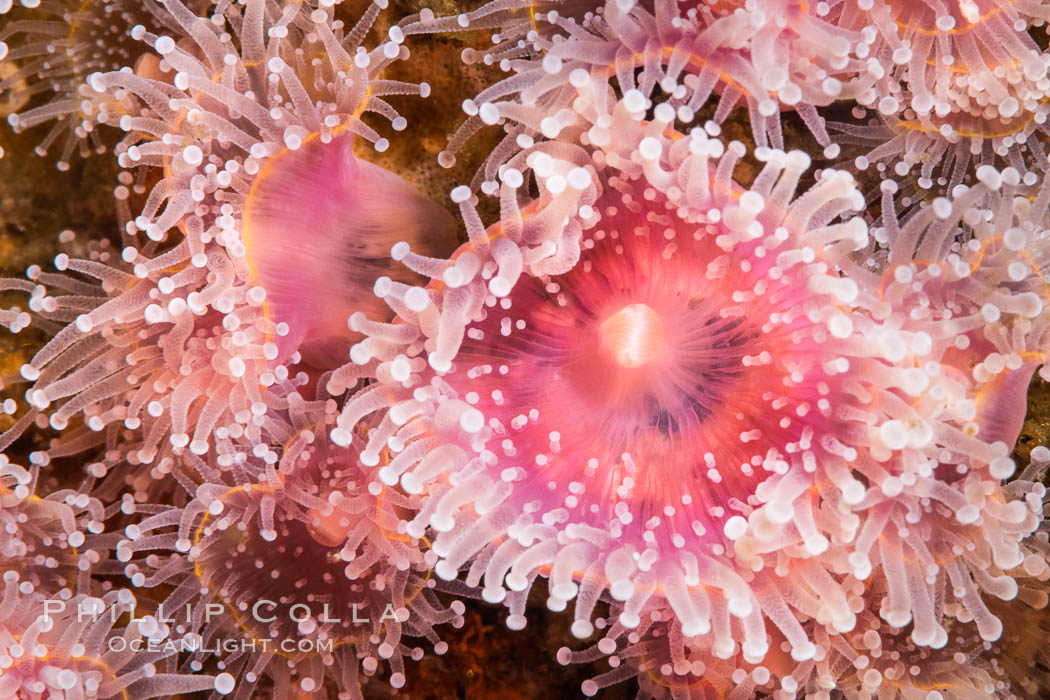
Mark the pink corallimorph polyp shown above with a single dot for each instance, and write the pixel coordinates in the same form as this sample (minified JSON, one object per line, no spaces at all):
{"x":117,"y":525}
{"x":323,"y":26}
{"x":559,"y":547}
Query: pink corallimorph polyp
{"x":318,"y":227}
{"x":643,"y":375}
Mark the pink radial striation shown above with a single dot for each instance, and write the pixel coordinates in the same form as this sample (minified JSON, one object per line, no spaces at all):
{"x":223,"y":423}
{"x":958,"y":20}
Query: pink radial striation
{"x":319,"y":224}
{"x":657,"y":378}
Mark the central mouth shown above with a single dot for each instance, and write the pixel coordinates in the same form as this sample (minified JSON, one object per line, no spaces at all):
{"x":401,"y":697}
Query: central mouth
{"x":634,"y":336}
